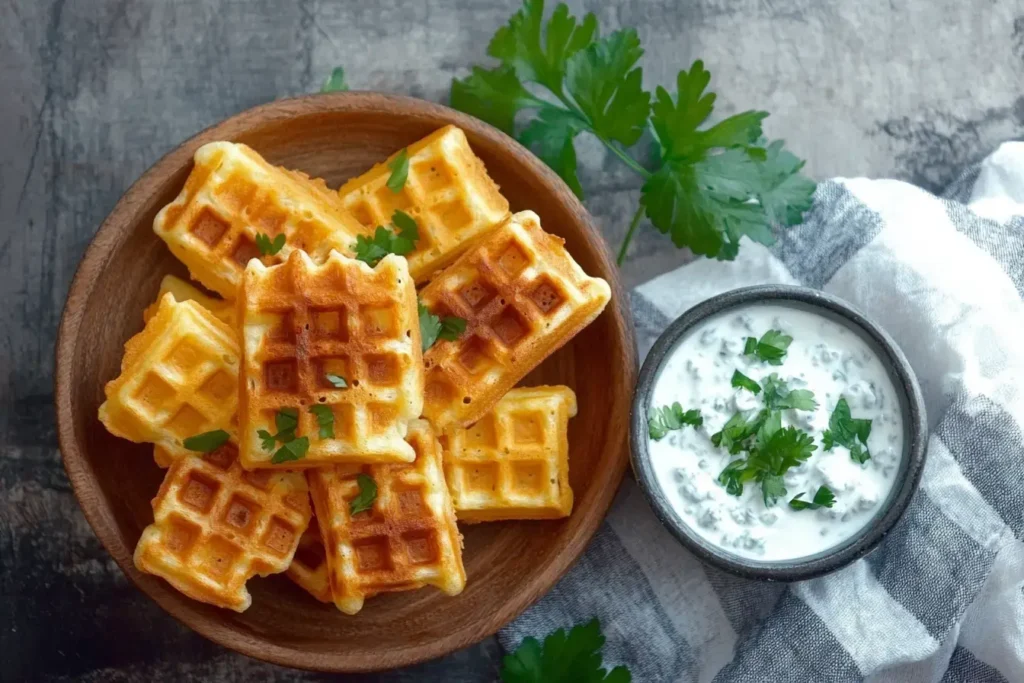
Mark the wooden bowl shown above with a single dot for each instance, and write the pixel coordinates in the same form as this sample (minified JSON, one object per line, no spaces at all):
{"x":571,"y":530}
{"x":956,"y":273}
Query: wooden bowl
{"x":509,"y":564}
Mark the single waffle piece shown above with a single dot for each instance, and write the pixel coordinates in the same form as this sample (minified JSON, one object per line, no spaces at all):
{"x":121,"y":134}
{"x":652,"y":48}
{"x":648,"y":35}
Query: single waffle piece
{"x":233,"y":195}
{"x":179,"y":378}
{"x":304,"y":324}
{"x":408,"y":539}
{"x":514,"y":462}
{"x":447,"y":192}
{"x":184,"y":291}
{"x":309,"y":567}
{"x":217,"y":525}
{"x":523,"y":297}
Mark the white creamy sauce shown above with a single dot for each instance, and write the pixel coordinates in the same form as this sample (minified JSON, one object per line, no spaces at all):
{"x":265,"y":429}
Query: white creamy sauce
{"x":825,"y":358}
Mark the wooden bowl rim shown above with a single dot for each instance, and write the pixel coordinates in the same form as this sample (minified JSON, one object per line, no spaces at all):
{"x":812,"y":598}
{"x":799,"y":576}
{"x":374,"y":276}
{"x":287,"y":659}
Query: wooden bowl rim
{"x":86,"y":486}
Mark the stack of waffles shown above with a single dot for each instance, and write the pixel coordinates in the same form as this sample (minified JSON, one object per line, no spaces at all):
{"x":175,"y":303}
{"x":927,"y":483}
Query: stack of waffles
{"x":307,"y":424}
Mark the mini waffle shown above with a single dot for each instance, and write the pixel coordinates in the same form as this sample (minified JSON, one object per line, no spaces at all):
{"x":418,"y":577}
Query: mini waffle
{"x":231,"y":196}
{"x":514,"y":462}
{"x":216,"y":526}
{"x":309,"y":568}
{"x":179,"y":378}
{"x":409,"y":539}
{"x":183,"y":291}
{"x":301,"y":322}
{"x":523,"y":297}
{"x":447,"y":191}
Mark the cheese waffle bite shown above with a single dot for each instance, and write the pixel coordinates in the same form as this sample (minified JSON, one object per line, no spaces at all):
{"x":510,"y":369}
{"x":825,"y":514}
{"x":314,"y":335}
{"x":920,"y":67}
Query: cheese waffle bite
{"x":179,"y":378}
{"x":337,"y":348}
{"x":447,"y":192}
{"x":523,"y":296}
{"x":309,"y":567}
{"x":233,"y":195}
{"x":514,"y":462}
{"x":184,"y":291}
{"x":406,"y":540}
{"x":217,"y":525}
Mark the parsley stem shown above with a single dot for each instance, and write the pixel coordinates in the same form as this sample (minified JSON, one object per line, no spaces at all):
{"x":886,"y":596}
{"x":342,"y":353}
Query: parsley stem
{"x":626,"y":159}
{"x":629,"y":235}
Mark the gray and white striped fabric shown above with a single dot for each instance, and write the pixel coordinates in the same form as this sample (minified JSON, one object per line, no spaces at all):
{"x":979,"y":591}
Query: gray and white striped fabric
{"x":941,"y":599}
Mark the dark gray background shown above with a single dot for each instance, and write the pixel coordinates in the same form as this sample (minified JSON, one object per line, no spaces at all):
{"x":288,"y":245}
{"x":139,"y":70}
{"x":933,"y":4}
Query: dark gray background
{"x":92,"y":92}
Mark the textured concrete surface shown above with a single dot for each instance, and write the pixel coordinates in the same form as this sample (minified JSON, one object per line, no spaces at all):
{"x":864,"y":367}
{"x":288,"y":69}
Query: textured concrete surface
{"x":95,"y":91}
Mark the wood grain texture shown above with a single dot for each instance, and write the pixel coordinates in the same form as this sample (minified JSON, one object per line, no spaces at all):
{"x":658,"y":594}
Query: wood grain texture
{"x":95,"y":92}
{"x":508,"y":564}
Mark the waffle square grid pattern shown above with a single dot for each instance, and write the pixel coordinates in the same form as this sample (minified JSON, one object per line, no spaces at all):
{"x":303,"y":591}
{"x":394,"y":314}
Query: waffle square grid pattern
{"x":447,"y":191}
{"x":407,"y":540}
{"x":523,"y":296}
{"x":514,"y":462}
{"x":179,"y":377}
{"x":231,"y":196}
{"x":217,"y":525}
{"x":302,"y":322}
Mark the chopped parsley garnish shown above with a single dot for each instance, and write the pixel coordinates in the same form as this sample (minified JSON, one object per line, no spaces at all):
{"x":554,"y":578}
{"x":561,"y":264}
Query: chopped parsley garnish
{"x":849,"y":432}
{"x":267,"y":246}
{"x":571,"y":658}
{"x":706,"y":186}
{"x":434,"y":327}
{"x":669,"y":418}
{"x":207,"y":442}
{"x":778,"y":395}
{"x":399,"y":171}
{"x":371,"y":250}
{"x":823,"y":498}
{"x":337,"y":381}
{"x":770,"y":348}
{"x":771,"y":451}
{"x":336,"y":81}
{"x":292,"y":450}
{"x":325,"y":419}
{"x":741,"y":381}
{"x":287,"y":421}
{"x":367,"y":494}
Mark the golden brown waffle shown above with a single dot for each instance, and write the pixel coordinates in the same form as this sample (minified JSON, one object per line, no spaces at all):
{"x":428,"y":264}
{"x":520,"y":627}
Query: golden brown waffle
{"x":309,"y":568}
{"x":408,"y":540}
{"x":514,"y":462}
{"x":301,"y":322}
{"x":447,"y":191}
{"x":523,"y":297}
{"x":217,"y":525}
{"x":179,"y":378}
{"x":231,"y":196}
{"x":183,"y":291}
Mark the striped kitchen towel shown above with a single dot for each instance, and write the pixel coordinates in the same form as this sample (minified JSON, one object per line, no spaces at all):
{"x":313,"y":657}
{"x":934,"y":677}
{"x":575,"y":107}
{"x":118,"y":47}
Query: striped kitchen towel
{"x":941,"y":598}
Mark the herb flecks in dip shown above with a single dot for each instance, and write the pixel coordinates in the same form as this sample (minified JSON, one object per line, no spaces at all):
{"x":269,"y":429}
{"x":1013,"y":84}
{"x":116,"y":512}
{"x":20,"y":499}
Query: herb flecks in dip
{"x":775,"y":432}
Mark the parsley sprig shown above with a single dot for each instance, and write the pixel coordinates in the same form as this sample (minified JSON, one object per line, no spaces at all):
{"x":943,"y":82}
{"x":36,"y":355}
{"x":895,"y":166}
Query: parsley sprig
{"x":207,"y":442}
{"x":367,"y":494}
{"x":324,"y":419}
{"x":267,"y":246}
{"x":669,"y":418}
{"x":770,"y":348}
{"x":287,"y":421}
{"x":562,"y":658}
{"x":741,"y":381}
{"x":706,"y":187}
{"x":823,"y":498}
{"x":849,"y":432}
{"x":433,"y":327}
{"x":399,"y":171}
{"x":371,"y":250}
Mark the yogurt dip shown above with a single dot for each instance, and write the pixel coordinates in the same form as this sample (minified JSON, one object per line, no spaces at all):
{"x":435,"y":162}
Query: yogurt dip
{"x":824,"y":357}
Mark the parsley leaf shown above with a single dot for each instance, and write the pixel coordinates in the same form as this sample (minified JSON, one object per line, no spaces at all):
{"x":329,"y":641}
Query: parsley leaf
{"x":295,"y":449}
{"x":371,"y":250}
{"x":367,"y":495}
{"x":740,"y":380}
{"x":325,"y":420}
{"x":774,"y":451}
{"x":770,"y":348}
{"x":772,"y":489}
{"x":337,"y":381}
{"x":267,"y":246}
{"x":336,"y":81}
{"x":433,"y":327}
{"x":823,"y":498}
{"x":286,"y":420}
{"x":733,"y":476}
{"x":669,"y":418}
{"x":572,"y":658}
{"x":267,"y":438}
{"x":778,"y":395}
{"x":551,"y":137}
{"x":737,"y":430}
{"x":849,"y":432}
{"x":207,"y":442}
{"x":494,"y":96}
{"x":399,"y":171}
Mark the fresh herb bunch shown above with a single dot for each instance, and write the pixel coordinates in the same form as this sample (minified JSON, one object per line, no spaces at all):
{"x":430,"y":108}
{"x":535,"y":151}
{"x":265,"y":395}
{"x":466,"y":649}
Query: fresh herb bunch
{"x":706,"y":186}
{"x":572,"y":658}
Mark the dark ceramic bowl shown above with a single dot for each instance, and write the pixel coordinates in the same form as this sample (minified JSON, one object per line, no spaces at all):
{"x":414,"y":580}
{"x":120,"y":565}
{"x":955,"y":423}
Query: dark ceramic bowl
{"x":911,"y":405}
